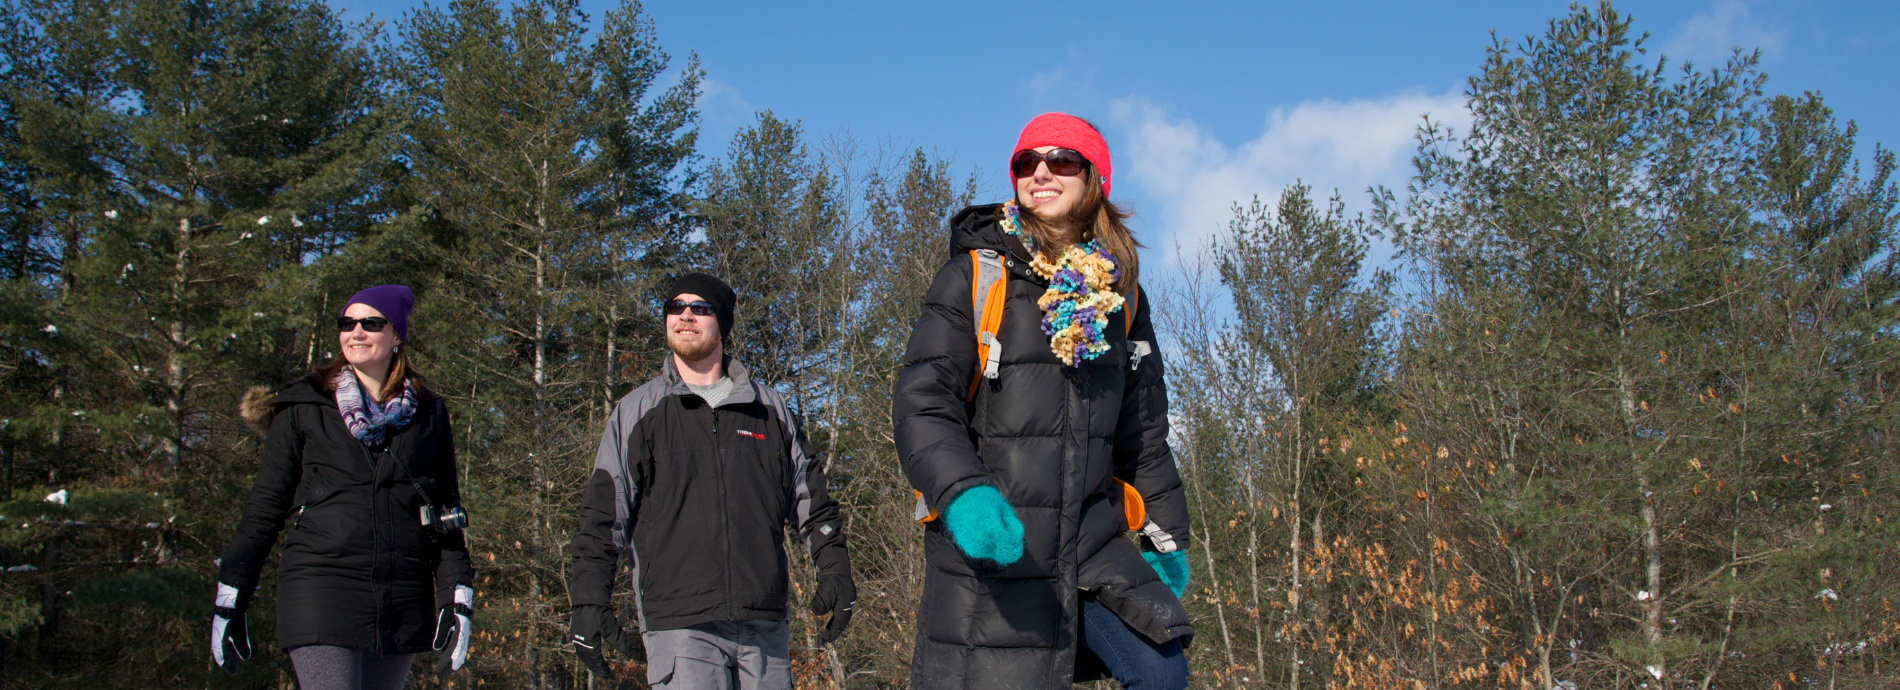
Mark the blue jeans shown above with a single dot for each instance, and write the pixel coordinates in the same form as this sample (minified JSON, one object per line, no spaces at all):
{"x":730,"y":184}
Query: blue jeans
{"x":1138,"y":663}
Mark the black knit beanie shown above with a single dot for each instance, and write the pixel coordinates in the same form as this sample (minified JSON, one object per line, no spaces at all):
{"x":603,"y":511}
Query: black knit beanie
{"x":712,"y":290}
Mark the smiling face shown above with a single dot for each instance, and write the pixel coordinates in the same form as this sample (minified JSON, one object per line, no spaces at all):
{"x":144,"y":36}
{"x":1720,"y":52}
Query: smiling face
{"x":367,"y":352}
{"x":1048,"y":195}
{"x":691,"y":336}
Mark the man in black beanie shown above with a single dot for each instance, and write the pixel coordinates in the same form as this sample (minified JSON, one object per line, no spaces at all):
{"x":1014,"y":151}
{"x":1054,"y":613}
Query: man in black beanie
{"x":690,"y":483}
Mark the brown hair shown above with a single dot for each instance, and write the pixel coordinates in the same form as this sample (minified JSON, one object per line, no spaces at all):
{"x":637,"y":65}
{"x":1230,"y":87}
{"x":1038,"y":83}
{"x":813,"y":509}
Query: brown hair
{"x":399,"y":370}
{"x":1094,"y":216}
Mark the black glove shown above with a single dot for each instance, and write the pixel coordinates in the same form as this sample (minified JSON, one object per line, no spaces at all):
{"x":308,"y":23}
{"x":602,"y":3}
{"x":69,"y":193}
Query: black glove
{"x":836,"y":595}
{"x":589,"y":628}
{"x":230,"y":637}
{"x":451,"y":632}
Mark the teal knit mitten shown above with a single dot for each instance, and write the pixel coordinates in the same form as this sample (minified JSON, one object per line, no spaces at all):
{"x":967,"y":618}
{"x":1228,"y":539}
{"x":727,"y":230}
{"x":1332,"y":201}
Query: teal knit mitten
{"x":1172,"y":567}
{"x":984,"y":526}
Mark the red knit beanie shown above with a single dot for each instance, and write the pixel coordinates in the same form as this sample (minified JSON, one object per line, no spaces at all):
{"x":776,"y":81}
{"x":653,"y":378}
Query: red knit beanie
{"x":1069,"y":132}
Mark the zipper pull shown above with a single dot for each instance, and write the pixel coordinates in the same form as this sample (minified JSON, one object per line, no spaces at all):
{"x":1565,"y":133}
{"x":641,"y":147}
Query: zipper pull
{"x":298,"y":522}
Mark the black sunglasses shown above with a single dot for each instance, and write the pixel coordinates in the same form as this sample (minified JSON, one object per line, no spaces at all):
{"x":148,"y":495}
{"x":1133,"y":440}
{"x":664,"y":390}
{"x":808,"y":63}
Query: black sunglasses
{"x":372,"y":324}
{"x":674,"y":307}
{"x":1064,"y":162}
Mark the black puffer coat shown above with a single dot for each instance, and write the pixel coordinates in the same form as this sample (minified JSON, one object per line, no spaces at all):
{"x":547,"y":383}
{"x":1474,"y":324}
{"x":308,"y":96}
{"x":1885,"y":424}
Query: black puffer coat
{"x":1049,"y":437}
{"x":359,"y":570}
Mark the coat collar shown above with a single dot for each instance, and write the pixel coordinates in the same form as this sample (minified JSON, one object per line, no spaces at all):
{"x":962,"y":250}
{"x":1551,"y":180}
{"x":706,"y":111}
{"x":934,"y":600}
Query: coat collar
{"x":741,"y":381}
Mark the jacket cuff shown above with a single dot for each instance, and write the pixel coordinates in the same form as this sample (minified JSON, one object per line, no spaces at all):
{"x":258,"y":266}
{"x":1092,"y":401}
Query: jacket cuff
{"x":446,"y":582}
{"x":956,"y":489}
{"x":233,"y":597}
{"x":578,"y":597}
{"x":445,"y":595}
{"x":833,"y":560}
{"x":243,"y":585}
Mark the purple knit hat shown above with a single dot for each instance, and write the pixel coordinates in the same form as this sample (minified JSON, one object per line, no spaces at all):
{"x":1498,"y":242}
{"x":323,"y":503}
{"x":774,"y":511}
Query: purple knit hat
{"x":394,"y":301}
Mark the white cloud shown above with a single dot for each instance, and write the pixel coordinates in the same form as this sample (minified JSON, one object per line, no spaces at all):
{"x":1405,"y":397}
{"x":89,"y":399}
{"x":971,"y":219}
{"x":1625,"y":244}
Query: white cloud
{"x":1711,"y":36}
{"x":1192,"y":180}
{"x":723,"y":111}
{"x":1068,"y":86}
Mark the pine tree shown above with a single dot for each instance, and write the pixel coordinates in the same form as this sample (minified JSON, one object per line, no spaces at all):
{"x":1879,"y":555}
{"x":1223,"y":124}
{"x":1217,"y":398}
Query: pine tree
{"x":548,"y":162}
{"x":171,"y":154}
{"x":1603,"y":257}
{"x":773,"y":226}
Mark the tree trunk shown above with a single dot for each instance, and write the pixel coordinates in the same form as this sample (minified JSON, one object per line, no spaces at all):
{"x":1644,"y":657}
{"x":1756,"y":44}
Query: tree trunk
{"x":538,"y":493}
{"x":1293,"y":594}
{"x":1322,"y":608}
{"x":49,"y":608}
{"x":1213,"y":573}
{"x":1652,"y":536}
{"x":1259,"y":615}
{"x":173,"y":444}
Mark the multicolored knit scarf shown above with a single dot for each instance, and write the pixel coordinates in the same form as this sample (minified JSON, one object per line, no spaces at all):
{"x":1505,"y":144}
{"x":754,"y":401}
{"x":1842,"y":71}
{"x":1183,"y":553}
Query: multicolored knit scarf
{"x":366,"y":419}
{"x":1076,"y":306}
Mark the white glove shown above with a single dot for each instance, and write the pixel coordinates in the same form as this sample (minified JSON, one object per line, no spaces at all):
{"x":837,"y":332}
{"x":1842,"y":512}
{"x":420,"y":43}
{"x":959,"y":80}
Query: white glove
{"x":452,"y":620}
{"x":230,"y":637}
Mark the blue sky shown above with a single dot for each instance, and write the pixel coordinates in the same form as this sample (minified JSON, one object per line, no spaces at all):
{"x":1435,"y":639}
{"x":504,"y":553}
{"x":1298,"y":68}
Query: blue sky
{"x":1207,"y":103}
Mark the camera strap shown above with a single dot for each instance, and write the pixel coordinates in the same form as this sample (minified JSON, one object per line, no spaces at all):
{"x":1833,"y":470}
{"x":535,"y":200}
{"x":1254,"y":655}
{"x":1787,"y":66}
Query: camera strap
{"x":404,"y":468}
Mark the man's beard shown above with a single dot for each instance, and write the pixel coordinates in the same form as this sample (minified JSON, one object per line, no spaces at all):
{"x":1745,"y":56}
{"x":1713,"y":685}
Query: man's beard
{"x":692,"y":354}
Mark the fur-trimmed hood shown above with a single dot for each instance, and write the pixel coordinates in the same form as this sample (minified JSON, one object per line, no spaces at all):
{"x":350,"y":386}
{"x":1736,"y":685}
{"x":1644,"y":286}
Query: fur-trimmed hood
{"x":255,"y":409}
{"x":259,"y":404}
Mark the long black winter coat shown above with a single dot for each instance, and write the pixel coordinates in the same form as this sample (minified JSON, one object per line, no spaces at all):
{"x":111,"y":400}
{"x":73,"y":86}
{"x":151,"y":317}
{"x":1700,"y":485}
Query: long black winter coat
{"x":358,"y":570}
{"x":1049,"y":437}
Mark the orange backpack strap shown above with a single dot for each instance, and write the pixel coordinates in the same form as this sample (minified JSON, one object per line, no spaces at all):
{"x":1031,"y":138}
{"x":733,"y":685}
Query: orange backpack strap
{"x":1128,"y":310}
{"x":922,"y":513}
{"x":1134,"y":509}
{"x":1135,"y":512}
{"x":988,"y":283}
{"x":1137,"y":349}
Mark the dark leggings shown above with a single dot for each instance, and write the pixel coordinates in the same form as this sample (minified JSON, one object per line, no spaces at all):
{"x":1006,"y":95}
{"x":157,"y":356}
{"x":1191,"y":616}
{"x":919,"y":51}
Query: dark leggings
{"x":326,"y":667}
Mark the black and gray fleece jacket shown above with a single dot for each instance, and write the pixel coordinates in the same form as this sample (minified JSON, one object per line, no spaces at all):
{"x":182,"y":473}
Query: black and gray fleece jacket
{"x":697,"y":499}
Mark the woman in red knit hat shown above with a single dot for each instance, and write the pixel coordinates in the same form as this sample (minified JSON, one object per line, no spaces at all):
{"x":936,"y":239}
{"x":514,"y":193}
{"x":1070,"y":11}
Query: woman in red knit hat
{"x":1037,"y":440}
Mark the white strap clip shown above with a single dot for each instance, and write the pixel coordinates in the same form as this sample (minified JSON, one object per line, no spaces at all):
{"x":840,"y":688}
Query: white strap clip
{"x":1163,"y":541}
{"x":995,"y":356}
{"x":1142,"y":349}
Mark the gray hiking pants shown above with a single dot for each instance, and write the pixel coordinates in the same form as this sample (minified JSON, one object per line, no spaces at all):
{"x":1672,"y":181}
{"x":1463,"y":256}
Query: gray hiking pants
{"x":327,"y":667}
{"x":722,"y":655}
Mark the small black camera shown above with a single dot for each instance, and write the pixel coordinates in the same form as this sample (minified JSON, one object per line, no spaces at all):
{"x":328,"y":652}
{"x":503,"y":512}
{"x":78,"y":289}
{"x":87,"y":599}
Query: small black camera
{"x":444,"y":519}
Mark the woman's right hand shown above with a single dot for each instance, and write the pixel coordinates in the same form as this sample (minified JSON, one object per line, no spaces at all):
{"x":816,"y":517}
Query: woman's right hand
{"x":230,"y":637}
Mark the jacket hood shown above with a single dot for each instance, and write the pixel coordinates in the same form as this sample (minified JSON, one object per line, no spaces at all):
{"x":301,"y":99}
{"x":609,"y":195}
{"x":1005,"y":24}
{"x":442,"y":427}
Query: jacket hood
{"x":259,"y":404}
{"x":975,"y":227}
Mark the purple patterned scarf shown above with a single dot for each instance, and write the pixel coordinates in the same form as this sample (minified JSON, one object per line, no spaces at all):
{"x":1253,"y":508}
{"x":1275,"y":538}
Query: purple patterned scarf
{"x":363,"y":416}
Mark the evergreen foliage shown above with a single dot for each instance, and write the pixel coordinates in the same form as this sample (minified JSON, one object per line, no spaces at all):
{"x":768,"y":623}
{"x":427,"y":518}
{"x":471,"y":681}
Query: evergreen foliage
{"x":1634,"y":429}
{"x":1625,"y":422}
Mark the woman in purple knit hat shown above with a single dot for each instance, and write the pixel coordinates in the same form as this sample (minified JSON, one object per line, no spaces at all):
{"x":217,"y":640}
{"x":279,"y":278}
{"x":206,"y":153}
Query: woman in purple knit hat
{"x":358,"y":469}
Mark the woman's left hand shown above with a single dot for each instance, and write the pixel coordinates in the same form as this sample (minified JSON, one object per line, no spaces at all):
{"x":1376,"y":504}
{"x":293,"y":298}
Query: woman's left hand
{"x":230,"y":635}
{"x":1172,"y":567}
{"x":452,"y":621}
